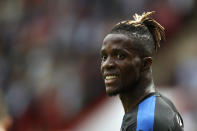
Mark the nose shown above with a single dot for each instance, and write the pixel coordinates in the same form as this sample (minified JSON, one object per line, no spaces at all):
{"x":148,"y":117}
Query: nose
{"x":108,"y":64}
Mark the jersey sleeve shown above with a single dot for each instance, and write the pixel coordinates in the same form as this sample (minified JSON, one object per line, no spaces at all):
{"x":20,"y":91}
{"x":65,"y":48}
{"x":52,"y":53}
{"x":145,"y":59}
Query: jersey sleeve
{"x":178,"y":123}
{"x":175,"y":123}
{"x":167,"y":117}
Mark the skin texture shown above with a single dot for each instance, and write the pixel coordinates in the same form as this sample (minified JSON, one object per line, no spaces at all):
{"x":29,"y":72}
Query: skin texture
{"x":132,"y":76}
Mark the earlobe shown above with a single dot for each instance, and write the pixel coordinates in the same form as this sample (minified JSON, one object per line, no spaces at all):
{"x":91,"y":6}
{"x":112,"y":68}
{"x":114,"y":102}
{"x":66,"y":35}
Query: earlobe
{"x":147,"y":62}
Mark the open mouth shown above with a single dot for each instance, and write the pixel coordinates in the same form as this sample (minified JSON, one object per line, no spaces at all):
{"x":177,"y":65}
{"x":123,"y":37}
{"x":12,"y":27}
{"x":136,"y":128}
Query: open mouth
{"x":110,"y":77}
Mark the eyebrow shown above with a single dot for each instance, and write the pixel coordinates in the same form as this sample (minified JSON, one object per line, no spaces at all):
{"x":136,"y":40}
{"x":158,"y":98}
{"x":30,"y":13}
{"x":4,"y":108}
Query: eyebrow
{"x":116,"y":50}
{"x":121,"y":50}
{"x":102,"y":51}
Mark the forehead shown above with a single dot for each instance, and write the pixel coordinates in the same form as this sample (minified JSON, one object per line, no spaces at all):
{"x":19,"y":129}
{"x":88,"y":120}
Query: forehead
{"x":118,"y":41}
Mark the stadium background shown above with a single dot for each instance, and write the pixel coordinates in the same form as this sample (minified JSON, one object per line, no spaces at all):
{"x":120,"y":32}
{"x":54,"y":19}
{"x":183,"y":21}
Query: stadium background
{"x":50,"y":65}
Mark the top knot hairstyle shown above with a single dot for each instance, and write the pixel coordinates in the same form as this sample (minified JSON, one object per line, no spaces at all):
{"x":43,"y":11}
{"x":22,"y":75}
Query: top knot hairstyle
{"x":143,"y":30}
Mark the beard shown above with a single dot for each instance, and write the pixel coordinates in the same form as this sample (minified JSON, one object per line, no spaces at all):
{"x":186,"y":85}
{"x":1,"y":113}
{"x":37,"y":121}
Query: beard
{"x":114,"y":92}
{"x":123,"y":89}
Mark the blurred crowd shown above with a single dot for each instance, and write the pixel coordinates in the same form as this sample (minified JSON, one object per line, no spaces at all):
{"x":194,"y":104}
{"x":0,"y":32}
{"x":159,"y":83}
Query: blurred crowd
{"x":49,"y":56}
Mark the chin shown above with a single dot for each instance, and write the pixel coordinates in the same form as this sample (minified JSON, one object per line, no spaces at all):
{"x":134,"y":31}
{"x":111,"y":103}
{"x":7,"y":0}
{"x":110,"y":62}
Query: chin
{"x":113,"y":92}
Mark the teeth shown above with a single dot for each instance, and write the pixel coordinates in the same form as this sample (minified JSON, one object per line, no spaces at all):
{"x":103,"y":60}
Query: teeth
{"x":110,"y":77}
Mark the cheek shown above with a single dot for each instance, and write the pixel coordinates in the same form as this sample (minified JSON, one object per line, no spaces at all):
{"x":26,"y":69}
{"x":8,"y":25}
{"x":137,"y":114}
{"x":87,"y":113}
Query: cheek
{"x":101,"y":68}
{"x":131,"y":73}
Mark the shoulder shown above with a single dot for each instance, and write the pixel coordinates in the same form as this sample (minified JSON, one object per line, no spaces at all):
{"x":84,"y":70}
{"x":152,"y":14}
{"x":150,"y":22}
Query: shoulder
{"x":157,"y":113}
{"x":166,"y":115}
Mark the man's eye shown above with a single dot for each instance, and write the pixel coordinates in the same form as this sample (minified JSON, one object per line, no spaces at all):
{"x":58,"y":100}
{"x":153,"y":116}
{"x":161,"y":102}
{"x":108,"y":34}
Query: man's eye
{"x":104,"y":57}
{"x":120,"y":56}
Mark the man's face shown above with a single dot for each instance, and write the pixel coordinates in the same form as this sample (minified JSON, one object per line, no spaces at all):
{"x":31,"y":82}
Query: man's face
{"x":120,"y":65}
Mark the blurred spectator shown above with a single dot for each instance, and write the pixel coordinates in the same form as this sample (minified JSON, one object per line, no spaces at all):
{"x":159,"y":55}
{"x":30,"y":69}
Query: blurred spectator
{"x":49,"y":54}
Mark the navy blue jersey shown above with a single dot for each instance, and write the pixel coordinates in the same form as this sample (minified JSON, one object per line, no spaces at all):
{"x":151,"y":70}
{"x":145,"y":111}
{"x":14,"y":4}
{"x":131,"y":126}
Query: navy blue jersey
{"x":154,"y":113}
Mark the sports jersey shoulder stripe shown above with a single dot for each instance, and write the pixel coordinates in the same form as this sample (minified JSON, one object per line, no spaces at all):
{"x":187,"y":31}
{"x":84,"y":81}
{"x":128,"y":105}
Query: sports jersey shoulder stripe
{"x":145,"y":115}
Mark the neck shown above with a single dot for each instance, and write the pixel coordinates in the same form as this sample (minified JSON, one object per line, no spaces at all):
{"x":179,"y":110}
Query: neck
{"x":132,"y":97}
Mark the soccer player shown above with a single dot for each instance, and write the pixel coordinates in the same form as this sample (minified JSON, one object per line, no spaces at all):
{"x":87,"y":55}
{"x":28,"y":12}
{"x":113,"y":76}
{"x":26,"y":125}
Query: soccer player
{"x":126,"y":55}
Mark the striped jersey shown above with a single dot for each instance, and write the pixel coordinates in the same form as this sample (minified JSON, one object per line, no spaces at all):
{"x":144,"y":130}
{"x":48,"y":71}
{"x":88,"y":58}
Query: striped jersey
{"x":154,"y":113}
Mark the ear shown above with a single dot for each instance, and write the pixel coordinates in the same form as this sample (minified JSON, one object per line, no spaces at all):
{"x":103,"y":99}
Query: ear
{"x":147,"y":62}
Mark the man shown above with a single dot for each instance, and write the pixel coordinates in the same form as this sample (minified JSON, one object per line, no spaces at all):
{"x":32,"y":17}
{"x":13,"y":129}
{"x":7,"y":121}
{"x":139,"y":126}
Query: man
{"x":126,"y":55}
